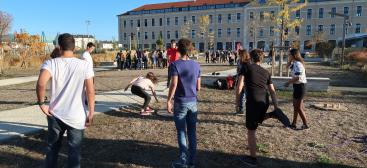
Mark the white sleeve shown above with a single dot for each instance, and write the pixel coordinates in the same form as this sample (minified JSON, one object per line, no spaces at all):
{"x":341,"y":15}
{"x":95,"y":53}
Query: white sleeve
{"x":47,"y":66}
{"x":89,"y":71}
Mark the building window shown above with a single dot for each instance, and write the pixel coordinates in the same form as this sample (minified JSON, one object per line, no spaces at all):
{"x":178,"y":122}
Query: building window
{"x":131,"y":23}
{"x":124,"y":23}
{"x":210,"y":30}
{"x":229,"y":18}
{"x":153,"y":35}
{"x":176,"y":34}
{"x":321,"y":28}
{"x":333,"y":11}
{"x":321,"y":13}
{"x":272,"y":14}
{"x":286,"y":31}
{"x":146,"y":22}
{"x":307,"y":45}
{"x":138,"y":35}
{"x":219,"y":18}
{"x":124,"y":36}
{"x":168,"y":35}
{"x":251,"y":15}
{"x":286,"y":43}
{"x":296,"y":29}
{"x":153,"y":22}
{"x":160,"y":22}
{"x":298,"y":14}
{"x":238,"y":17}
{"x":261,"y":15}
{"x":346,"y":10}
{"x":228,"y":31}
{"x":238,"y":32}
{"x":308,"y":30}
{"x":176,"y":21}
{"x":359,"y":11}
{"x":358,"y":28}
{"x":219,"y":33}
{"x":185,"y":19}
{"x":309,"y":13}
{"x":193,"y":34}
{"x":168,"y":21}
{"x":332,"y":29}
{"x":211,"y":19}
{"x":138,"y":22}
{"x":202,"y":35}
{"x":193,"y":19}
{"x":146,"y":35}
{"x":261,"y":32}
{"x":271,"y":31}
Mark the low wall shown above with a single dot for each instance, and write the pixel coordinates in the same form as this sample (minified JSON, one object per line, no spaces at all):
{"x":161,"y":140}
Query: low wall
{"x":314,"y":84}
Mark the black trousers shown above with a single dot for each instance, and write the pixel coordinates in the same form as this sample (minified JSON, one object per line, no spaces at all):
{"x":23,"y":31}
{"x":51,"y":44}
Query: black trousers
{"x":136,"y":90}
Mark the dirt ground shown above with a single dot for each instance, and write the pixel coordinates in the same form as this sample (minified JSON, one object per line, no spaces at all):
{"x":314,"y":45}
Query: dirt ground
{"x":126,"y":139}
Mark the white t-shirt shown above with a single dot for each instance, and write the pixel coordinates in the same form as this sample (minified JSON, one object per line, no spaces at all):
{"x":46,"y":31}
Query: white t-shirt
{"x":298,"y":70}
{"x":144,"y":83}
{"x":68,"y":94}
{"x":86,"y":56}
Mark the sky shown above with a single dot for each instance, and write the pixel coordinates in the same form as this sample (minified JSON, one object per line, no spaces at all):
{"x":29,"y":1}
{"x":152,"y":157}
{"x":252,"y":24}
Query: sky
{"x":70,"y":16}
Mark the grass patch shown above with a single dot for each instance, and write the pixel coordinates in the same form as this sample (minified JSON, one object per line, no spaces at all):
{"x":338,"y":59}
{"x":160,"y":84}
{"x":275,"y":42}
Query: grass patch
{"x":316,"y":145}
{"x":262,"y":148}
{"x":324,"y":159}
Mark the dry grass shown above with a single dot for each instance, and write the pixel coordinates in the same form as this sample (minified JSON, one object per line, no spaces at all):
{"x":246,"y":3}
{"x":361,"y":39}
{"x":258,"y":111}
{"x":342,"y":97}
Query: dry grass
{"x":122,"y":139}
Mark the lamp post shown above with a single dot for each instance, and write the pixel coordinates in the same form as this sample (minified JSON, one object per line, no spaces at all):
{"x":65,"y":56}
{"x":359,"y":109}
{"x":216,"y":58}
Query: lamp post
{"x":346,"y":18}
{"x":137,"y":37}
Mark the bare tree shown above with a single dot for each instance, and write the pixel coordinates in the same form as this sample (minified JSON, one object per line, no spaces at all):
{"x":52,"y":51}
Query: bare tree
{"x":204,"y":28}
{"x":5,"y":24}
{"x":185,"y":29}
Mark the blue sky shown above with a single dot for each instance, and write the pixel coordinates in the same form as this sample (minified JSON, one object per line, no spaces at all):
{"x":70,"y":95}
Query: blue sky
{"x":51,"y":16}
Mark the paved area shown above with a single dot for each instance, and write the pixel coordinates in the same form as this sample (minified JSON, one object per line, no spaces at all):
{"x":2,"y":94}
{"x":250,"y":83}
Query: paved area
{"x":25,"y":121}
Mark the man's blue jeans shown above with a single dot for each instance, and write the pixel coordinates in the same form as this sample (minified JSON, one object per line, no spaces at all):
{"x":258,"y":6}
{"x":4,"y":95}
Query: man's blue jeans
{"x":56,"y":130}
{"x":242,"y":100}
{"x":185,"y":116}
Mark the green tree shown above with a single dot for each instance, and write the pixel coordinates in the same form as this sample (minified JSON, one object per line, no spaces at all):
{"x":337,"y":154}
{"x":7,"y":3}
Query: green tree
{"x":204,"y":29}
{"x":160,"y":42}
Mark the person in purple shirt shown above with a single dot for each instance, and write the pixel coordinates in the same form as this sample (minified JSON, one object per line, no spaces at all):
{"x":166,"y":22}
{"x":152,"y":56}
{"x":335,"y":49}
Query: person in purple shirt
{"x":182,"y":97}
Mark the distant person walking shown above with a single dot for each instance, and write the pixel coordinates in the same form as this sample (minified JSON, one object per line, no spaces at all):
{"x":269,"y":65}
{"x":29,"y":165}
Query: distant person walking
{"x":182,"y":97}
{"x":87,"y":53}
{"x":173,"y":55}
{"x":71,"y":83}
{"x":297,"y":66}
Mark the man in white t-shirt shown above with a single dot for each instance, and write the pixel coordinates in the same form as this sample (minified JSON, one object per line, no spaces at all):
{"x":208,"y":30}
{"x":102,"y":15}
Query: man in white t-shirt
{"x":86,"y":54}
{"x":71,"y":84}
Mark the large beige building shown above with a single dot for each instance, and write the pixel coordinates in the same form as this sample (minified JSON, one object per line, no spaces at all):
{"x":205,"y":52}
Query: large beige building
{"x":237,"y":22}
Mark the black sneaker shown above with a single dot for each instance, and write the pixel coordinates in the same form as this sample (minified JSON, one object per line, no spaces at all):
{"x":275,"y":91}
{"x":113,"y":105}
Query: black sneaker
{"x":279,"y":114}
{"x":249,"y":161}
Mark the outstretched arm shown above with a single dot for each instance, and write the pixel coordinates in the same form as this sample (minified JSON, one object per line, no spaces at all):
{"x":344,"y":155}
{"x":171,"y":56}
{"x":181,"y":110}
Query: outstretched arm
{"x":131,"y":82}
{"x":154,"y":94}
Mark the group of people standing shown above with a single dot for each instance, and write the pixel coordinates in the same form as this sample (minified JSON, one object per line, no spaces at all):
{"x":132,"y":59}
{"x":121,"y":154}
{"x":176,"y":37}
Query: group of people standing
{"x":71,"y":107}
{"x":221,"y":56}
{"x":144,"y":59}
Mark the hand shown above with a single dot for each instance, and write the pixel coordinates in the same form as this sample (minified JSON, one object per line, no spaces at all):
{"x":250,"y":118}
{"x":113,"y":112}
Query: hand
{"x":286,"y":84}
{"x":169,"y":107}
{"x":45,"y":110}
{"x":89,"y":120}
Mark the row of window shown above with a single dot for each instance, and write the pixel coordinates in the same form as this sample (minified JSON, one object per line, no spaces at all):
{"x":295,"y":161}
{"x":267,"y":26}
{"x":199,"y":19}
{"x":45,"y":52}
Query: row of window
{"x":321,"y":13}
{"x":176,"y":34}
{"x":190,"y":8}
{"x":230,"y":18}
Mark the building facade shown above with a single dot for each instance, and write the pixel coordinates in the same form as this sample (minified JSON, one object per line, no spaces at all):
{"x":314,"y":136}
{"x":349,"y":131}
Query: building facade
{"x":230,"y":21}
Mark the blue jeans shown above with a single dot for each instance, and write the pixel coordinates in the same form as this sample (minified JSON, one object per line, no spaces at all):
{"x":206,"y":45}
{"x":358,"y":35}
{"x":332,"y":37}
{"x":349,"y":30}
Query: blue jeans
{"x":185,"y":115}
{"x":56,"y":130}
{"x":242,"y":100}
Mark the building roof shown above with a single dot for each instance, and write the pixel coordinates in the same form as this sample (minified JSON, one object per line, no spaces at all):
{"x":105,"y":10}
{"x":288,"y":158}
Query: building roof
{"x":82,"y":36}
{"x":186,"y":3}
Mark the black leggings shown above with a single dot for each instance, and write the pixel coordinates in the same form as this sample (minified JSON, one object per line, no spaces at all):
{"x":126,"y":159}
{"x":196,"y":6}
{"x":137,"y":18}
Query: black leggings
{"x":136,"y":90}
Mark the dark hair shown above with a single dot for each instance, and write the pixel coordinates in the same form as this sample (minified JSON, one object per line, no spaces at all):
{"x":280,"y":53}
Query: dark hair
{"x":244,"y":56}
{"x":152,"y":77}
{"x":90,"y":45}
{"x":184,"y":46}
{"x":56,"y":53}
{"x":66,"y":42}
{"x":297,"y":55}
{"x":257,"y":55}
{"x":173,"y":41}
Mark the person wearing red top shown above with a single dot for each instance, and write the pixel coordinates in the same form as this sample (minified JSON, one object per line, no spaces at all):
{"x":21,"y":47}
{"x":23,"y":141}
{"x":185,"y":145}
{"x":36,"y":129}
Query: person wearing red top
{"x":173,"y":55}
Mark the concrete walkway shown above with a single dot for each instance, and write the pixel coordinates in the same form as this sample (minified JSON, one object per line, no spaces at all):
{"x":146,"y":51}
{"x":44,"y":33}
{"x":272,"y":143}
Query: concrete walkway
{"x":20,"y":80}
{"x":25,"y":121}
